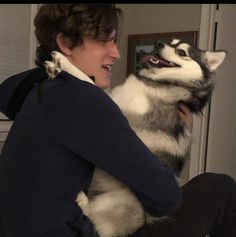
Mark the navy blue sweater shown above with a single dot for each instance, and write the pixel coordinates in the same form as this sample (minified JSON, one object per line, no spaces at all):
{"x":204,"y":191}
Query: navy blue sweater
{"x":61,"y":130}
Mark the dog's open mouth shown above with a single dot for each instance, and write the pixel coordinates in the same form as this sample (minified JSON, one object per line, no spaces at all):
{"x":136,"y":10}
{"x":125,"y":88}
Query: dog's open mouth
{"x":151,"y":60}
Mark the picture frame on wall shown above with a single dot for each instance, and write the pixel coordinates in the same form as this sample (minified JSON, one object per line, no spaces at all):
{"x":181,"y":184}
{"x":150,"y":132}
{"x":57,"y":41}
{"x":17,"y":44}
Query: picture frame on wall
{"x":139,"y":44}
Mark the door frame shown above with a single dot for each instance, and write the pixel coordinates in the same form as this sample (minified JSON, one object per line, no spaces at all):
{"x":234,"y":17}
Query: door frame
{"x":198,"y":151}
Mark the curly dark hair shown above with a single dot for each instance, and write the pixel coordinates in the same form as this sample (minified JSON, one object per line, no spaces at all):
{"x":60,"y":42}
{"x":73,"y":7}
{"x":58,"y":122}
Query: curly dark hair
{"x":73,"y":21}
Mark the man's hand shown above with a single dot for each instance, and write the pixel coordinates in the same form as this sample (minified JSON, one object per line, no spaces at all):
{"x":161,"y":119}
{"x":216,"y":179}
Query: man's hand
{"x":186,"y":116}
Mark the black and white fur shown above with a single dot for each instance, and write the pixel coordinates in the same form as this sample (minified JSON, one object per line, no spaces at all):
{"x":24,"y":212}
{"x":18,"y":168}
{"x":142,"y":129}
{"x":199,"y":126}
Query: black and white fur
{"x":174,"y":73}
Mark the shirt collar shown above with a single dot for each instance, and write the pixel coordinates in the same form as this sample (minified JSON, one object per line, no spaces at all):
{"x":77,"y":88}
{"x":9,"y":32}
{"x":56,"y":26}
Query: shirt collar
{"x":70,"y":68}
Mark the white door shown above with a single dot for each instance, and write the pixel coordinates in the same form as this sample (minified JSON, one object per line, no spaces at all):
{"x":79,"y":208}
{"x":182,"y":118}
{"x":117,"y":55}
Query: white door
{"x":221,"y":148}
{"x":214,"y":135}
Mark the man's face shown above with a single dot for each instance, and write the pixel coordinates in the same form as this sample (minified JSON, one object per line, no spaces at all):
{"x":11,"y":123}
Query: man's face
{"x":95,"y":58}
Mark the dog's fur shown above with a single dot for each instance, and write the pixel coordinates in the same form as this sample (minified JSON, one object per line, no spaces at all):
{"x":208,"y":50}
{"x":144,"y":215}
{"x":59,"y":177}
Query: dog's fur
{"x":175,"y":73}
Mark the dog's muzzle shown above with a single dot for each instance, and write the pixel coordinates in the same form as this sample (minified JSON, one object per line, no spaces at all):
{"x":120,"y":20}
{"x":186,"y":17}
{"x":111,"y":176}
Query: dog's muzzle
{"x":150,"y":60}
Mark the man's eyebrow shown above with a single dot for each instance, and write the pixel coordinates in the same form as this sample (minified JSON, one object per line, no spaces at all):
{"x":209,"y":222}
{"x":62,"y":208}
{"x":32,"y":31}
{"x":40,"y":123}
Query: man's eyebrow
{"x":112,"y":38}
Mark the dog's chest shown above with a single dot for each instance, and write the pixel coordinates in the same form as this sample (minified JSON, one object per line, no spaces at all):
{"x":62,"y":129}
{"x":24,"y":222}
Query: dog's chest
{"x":159,"y":116}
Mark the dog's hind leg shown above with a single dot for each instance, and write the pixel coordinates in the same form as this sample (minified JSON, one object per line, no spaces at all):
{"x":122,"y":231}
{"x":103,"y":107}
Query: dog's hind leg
{"x":116,"y":213}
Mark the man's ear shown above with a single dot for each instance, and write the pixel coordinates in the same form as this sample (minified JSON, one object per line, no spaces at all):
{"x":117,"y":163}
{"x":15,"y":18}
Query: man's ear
{"x":63,"y":44}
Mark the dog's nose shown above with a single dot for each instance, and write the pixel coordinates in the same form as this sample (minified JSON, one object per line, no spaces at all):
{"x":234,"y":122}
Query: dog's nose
{"x":160,"y":44}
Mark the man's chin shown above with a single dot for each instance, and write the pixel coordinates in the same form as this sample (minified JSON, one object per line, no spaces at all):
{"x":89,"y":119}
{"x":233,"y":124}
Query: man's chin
{"x":103,"y":83}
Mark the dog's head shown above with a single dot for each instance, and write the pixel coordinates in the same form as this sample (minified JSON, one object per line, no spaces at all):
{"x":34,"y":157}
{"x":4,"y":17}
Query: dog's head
{"x":180,"y":61}
{"x":180,"y":64}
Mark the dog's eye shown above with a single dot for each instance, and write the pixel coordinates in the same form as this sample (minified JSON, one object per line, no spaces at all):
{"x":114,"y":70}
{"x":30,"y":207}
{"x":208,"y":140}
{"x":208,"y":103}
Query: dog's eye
{"x":181,"y":52}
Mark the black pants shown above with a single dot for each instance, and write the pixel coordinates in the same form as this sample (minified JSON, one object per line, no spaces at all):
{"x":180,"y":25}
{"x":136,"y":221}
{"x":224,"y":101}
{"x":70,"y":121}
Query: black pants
{"x":208,"y":207}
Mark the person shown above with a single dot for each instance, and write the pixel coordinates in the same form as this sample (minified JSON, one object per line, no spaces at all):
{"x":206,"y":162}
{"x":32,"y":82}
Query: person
{"x":65,"y":127}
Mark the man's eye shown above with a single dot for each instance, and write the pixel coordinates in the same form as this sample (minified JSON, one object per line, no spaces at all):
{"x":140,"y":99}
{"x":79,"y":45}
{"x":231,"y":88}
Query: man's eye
{"x":181,"y":52}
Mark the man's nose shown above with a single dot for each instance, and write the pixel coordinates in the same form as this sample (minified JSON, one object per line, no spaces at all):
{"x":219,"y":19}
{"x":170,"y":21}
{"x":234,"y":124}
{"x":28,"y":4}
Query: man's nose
{"x":114,"y":52}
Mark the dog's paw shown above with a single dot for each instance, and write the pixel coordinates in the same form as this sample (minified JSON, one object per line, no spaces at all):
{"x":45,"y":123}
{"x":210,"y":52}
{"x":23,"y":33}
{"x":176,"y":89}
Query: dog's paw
{"x":57,"y":57}
{"x":82,"y":200}
{"x":51,"y":69}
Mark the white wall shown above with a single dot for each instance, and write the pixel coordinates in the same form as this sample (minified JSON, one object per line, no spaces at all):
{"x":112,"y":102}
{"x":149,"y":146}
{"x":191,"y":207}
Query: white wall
{"x":14,"y":38}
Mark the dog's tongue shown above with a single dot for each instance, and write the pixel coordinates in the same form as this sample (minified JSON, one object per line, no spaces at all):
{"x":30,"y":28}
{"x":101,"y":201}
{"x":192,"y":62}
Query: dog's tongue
{"x":159,"y":62}
{"x":146,"y":57}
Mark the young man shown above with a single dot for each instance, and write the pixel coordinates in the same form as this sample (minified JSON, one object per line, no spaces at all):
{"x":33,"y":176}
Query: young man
{"x":65,"y":127}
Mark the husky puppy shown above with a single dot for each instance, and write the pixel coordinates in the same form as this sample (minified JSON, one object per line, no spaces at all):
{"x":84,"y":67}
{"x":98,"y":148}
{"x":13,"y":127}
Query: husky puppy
{"x":173,"y":73}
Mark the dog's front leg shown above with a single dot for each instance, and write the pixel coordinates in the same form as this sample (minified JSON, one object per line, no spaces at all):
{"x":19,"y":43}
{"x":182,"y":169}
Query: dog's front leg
{"x":83,"y":202}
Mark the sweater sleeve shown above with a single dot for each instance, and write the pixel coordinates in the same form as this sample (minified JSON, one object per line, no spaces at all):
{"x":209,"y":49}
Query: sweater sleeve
{"x":85,"y":120}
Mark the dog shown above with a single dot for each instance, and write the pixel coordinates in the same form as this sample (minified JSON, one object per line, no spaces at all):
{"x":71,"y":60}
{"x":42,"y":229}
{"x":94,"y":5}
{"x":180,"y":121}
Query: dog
{"x":174,"y":73}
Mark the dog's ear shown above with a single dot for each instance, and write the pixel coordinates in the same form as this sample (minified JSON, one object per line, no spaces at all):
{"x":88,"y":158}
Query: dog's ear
{"x":214,"y":59}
